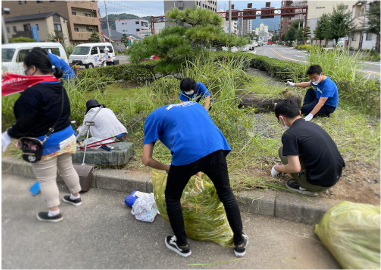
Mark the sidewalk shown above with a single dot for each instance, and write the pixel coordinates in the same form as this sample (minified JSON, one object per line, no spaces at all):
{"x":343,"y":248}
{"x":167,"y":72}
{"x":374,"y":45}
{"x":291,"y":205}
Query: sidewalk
{"x":285,"y":205}
{"x":102,"y":233}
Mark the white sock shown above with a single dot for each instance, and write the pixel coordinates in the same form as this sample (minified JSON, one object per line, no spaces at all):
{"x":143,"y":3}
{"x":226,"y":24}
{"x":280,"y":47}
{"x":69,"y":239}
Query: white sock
{"x":53,"y":213}
{"x":73,"y":197}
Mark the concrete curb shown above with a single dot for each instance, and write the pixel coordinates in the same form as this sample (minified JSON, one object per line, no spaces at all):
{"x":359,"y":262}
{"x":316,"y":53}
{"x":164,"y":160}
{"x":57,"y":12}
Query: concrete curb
{"x":285,"y":205}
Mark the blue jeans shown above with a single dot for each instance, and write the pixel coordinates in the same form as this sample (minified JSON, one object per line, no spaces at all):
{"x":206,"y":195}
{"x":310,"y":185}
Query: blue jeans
{"x":215,"y":167}
{"x":310,"y":101}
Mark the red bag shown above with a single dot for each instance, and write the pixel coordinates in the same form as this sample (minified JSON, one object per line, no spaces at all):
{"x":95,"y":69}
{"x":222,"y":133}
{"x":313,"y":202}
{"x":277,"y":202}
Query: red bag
{"x":15,"y":83}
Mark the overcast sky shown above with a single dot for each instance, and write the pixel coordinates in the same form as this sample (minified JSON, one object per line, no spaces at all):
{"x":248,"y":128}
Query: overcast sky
{"x":155,"y":8}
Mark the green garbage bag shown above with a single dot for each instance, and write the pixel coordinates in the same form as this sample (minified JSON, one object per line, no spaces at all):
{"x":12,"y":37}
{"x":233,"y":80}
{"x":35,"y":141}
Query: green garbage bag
{"x":351,"y":232}
{"x":204,"y":214}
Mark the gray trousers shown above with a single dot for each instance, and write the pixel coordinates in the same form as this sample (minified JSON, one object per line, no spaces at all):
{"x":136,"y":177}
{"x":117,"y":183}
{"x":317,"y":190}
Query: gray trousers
{"x":301,"y":177}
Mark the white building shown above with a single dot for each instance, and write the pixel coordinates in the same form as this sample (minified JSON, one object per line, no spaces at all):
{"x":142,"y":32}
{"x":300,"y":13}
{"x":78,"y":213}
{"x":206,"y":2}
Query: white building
{"x":131,"y":26}
{"x":245,"y":26}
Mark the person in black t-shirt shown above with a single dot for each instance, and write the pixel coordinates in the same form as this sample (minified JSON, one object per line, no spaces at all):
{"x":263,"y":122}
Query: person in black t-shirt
{"x":308,"y":152}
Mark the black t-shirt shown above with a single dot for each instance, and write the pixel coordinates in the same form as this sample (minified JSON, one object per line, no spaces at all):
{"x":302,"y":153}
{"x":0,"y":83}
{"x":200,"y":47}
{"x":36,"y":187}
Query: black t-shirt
{"x":38,"y":108}
{"x":316,"y":149}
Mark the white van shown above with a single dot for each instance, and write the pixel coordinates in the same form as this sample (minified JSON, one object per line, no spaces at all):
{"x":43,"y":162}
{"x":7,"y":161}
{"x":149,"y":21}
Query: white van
{"x":90,"y":55}
{"x":12,"y":54}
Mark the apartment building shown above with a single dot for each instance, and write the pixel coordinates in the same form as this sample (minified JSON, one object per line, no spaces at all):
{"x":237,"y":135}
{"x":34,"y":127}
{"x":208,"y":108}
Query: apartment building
{"x":82,"y":16}
{"x":245,"y":26}
{"x":131,"y":26}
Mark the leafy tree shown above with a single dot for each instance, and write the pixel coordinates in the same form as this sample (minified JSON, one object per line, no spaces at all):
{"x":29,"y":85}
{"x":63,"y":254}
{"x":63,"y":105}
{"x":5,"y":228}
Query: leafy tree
{"x":275,"y":37}
{"x":94,"y":37}
{"x":290,"y":35}
{"x":306,"y":33}
{"x":374,"y":22}
{"x":124,"y":40}
{"x":196,"y":30}
{"x":321,"y":30}
{"x":340,"y":23}
{"x":299,"y":35}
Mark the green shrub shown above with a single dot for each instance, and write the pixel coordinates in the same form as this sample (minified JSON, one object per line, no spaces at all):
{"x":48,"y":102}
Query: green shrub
{"x":21,"y":39}
{"x":166,"y":85}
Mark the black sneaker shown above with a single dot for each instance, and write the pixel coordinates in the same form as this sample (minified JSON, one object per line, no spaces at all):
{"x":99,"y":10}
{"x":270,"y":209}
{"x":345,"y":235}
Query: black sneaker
{"x":170,"y":242}
{"x":43,"y":216}
{"x":75,"y":202}
{"x":240,"y":250}
{"x":292,"y":185}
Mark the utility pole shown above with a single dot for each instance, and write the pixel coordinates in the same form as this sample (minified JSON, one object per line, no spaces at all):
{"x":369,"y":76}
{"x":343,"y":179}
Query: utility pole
{"x":4,"y":30}
{"x":108,"y":27}
{"x":230,"y":16}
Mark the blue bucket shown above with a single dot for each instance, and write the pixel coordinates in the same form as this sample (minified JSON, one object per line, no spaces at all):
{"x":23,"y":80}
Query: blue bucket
{"x":130,"y":199}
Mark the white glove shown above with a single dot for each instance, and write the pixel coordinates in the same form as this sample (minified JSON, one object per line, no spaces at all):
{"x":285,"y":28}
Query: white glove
{"x":309,"y":117}
{"x":5,"y":140}
{"x":290,"y":83}
{"x":274,"y":173}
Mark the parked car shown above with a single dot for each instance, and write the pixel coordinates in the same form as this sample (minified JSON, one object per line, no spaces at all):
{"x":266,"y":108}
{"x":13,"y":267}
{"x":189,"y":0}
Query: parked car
{"x":12,"y":54}
{"x":89,"y":55}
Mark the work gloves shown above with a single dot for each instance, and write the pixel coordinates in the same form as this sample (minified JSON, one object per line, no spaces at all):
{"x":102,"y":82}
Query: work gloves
{"x":5,"y":140}
{"x":290,"y":84}
{"x":274,"y":173}
{"x":309,"y":117}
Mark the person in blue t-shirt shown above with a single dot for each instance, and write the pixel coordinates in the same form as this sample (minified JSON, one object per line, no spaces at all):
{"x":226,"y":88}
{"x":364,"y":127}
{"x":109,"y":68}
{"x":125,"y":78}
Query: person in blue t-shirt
{"x":322,"y":101}
{"x":194,"y":148}
{"x":192,"y":91}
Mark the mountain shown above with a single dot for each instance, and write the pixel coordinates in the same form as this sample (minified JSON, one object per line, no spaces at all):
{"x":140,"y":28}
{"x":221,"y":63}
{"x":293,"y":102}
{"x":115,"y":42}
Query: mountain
{"x":122,"y":16}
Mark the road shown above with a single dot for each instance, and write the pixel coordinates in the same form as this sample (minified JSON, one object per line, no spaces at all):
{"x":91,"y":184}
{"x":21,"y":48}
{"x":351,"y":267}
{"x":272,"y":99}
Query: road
{"x":102,"y":233}
{"x":369,"y":69}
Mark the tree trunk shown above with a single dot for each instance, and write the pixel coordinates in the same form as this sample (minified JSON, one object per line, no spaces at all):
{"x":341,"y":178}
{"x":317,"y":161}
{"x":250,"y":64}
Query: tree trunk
{"x":378,"y":43}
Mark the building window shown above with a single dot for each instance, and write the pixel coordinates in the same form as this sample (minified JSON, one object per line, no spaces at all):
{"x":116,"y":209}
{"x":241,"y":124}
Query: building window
{"x":26,"y":27}
{"x":40,"y":1}
{"x":137,"y":22}
{"x":89,"y":30}
{"x":362,"y":11}
{"x":57,"y":27}
{"x":137,"y":30}
{"x":354,"y":37}
{"x":38,"y":28}
{"x":73,"y":13}
{"x":369,"y":36}
{"x":76,"y":29}
{"x":20,"y":2}
{"x":8,"y":30}
{"x":87,"y":15}
{"x":319,"y":7}
{"x":14,"y":29}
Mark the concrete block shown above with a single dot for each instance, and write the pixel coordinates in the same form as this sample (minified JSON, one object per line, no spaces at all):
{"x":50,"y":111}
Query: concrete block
{"x":300,"y":208}
{"x":17,"y":166}
{"x":257,"y":202}
{"x":121,"y":180}
{"x":120,"y":155}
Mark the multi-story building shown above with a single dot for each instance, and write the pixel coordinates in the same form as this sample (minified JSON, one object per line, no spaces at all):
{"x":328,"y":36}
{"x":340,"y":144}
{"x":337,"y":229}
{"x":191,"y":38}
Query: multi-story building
{"x":225,"y":26}
{"x":262,"y":32}
{"x":49,"y":25}
{"x":131,"y":26}
{"x":360,"y":39}
{"x":245,"y":26}
{"x":206,"y":4}
{"x":82,"y":16}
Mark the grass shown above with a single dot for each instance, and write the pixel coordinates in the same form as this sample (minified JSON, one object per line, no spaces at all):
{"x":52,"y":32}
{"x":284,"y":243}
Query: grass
{"x":254,"y":138}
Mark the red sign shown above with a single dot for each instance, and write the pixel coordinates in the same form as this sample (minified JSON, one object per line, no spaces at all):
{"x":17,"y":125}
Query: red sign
{"x":15,"y":83}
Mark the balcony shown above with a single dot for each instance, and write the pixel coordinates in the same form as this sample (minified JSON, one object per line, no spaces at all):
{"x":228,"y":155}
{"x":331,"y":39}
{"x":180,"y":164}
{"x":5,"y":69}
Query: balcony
{"x":84,"y":20}
{"x":81,"y":35}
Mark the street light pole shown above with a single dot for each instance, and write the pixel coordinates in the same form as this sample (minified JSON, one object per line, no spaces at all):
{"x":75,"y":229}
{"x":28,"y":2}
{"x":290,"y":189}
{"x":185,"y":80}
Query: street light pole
{"x":108,"y":27}
{"x":5,"y":37}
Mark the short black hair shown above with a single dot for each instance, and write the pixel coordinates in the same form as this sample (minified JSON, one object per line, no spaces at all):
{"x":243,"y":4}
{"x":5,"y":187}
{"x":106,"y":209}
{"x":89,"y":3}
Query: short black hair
{"x":314,"y":69}
{"x":287,"y":107}
{"x":188,"y":84}
{"x":39,"y":58}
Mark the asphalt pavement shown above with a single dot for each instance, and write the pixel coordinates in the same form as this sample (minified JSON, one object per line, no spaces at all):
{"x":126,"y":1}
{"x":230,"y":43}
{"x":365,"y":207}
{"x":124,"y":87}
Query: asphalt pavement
{"x":102,"y":233}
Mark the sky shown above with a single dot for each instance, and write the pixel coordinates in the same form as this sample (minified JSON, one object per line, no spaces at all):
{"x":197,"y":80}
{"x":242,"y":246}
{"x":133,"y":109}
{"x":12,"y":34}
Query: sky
{"x":144,"y":8}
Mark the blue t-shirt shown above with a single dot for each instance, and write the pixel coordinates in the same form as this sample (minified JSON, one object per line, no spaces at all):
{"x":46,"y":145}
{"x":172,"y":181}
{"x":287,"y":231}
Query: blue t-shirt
{"x":60,"y":63}
{"x":200,"y":92}
{"x":327,"y":88}
{"x":187,"y":130}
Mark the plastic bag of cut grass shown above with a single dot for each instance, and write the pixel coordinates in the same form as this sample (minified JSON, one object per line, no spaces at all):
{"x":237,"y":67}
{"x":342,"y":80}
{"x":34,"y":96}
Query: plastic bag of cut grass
{"x":204,"y":214}
{"x":351,"y":232}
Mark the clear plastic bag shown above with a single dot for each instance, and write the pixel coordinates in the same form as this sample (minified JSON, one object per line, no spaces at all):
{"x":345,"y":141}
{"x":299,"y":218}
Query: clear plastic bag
{"x":204,"y":214}
{"x":351,"y":232}
{"x":144,"y":208}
